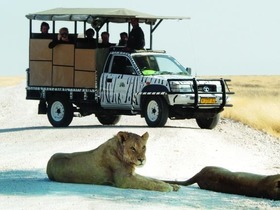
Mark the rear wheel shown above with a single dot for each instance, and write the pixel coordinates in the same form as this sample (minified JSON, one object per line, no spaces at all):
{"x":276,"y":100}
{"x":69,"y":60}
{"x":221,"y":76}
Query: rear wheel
{"x":156,"y":111}
{"x":208,"y":123}
{"x":108,"y":119}
{"x":60,"y":112}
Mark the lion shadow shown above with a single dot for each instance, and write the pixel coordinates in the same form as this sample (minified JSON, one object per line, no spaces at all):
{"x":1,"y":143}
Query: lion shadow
{"x":33,"y":183}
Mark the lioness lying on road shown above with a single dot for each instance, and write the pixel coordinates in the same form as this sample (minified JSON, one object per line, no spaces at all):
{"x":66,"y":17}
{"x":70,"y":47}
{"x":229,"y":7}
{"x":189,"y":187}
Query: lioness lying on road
{"x":222,"y":180}
{"x":112,"y":163}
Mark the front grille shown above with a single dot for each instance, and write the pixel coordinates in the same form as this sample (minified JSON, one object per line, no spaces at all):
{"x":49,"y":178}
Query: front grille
{"x":207,"y":88}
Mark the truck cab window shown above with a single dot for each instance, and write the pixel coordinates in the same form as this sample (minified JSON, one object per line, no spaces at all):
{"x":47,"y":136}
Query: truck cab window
{"x":122,"y":65}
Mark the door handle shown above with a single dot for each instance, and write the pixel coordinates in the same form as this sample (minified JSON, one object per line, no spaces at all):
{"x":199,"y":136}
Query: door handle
{"x":109,"y":80}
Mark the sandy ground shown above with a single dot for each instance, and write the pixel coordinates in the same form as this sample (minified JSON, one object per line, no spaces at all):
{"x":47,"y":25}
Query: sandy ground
{"x":177,"y":151}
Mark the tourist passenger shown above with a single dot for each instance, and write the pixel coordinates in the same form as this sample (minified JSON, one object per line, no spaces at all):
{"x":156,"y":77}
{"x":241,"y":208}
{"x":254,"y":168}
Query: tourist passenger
{"x":105,"y":40}
{"x":62,"y":38}
{"x":45,"y":31}
{"x":45,"y":28}
{"x":136,"y":38}
{"x":123,"y":39}
{"x":89,"y":40}
{"x":89,"y":34}
{"x":63,"y":35}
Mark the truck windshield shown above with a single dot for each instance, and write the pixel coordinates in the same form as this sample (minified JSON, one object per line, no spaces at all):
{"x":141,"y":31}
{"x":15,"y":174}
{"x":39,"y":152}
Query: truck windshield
{"x":158,"y":64}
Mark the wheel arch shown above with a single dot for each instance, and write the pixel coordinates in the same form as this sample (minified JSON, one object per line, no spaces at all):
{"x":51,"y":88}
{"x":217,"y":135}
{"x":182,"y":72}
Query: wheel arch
{"x":51,"y":94}
{"x":150,"y":90}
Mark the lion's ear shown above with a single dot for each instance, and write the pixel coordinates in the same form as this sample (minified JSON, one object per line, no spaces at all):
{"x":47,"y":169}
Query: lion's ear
{"x":122,"y":136}
{"x":145,"y":136}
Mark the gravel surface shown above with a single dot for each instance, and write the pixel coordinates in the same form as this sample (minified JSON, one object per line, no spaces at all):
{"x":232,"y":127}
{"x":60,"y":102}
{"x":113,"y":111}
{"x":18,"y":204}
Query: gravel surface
{"x":177,"y":151}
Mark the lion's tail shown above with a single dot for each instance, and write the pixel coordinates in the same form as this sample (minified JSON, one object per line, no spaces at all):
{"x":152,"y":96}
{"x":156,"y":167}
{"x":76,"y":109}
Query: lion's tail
{"x":184,"y":183}
{"x":190,"y":181}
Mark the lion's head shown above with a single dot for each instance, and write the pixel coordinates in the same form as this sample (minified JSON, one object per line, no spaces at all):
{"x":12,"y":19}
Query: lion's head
{"x":132,"y":148}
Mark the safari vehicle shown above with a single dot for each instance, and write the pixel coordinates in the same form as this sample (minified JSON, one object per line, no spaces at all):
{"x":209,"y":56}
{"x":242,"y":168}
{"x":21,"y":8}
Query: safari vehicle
{"x":75,"y":80}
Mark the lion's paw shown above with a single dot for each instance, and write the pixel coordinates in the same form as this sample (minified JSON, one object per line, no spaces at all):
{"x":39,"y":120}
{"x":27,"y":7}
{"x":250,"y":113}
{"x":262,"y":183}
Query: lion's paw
{"x":175,"y":187}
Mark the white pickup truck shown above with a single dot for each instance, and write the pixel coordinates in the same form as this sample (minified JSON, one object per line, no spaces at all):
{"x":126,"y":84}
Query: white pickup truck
{"x":74,"y":80}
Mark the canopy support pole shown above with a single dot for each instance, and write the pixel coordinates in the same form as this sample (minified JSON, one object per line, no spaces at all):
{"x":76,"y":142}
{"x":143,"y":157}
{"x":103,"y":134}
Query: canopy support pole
{"x":152,"y":29}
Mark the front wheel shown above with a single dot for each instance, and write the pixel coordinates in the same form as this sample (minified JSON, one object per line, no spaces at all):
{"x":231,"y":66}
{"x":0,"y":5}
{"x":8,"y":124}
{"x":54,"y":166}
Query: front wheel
{"x":108,"y":119}
{"x":156,"y":111}
{"x":60,"y":112}
{"x":208,"y":123}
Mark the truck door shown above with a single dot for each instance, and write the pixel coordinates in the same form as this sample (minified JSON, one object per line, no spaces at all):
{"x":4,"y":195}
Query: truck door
{"x":118,"y":84}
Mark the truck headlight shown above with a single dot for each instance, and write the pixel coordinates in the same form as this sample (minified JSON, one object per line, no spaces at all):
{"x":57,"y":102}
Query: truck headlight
{"x":180,"y":86}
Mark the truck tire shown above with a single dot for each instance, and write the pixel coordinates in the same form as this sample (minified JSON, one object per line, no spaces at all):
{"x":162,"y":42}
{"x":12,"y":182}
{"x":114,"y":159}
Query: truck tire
{"x":108,"y":119}
{"x":60,"y":112}
{"x":156,"y":111}
{"x":208,"y":123}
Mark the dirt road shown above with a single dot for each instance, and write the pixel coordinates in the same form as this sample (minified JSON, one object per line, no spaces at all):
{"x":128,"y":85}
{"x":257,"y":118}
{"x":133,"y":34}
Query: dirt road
{"x":177,"y":151}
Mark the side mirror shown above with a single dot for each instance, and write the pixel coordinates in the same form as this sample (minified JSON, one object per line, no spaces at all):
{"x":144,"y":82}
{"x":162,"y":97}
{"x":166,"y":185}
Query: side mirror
{"x":189,"y":70}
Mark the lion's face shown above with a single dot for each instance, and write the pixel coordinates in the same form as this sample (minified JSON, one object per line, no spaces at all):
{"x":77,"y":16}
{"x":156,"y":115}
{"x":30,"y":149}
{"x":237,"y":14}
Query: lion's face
{"x":133,"y":148}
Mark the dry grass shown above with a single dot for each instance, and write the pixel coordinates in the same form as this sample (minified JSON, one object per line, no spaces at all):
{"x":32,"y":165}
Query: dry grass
{"x":9,"y":81}
{"x":256,"y":102}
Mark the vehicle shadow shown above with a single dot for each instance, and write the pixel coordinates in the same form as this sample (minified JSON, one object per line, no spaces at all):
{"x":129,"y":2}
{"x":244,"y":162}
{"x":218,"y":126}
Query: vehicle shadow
{"x":19,"y":129}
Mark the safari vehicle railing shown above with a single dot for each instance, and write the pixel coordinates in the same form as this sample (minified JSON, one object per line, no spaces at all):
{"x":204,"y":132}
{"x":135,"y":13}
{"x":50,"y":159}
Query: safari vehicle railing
{"x":73,"y":65}
{"x":98,"y":17}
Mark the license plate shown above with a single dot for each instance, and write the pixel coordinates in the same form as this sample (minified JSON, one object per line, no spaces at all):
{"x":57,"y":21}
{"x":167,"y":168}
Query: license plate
{"x":207,"y":100}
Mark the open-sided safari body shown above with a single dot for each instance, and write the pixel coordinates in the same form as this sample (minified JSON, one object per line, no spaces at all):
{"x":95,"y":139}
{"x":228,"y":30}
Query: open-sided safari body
{"x":78,"y":79}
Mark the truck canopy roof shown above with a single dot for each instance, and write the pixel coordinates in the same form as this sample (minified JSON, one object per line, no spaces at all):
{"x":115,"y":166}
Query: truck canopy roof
{"x":115,"y":15}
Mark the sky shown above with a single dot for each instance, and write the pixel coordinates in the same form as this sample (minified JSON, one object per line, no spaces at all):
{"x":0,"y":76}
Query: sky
{"x":223,"y":37}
